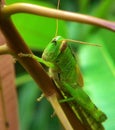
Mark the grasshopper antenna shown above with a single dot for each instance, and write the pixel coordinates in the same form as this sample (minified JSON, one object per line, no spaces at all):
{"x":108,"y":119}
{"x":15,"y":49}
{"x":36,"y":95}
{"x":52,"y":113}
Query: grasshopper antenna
{"x":58,"y":4}
{"x":70,"y":40}
{"x":81,"y":42}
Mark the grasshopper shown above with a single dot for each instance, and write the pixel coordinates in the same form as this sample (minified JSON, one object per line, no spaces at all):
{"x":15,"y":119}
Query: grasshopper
{"x":65,"y":72}
{"x":67,"y":76}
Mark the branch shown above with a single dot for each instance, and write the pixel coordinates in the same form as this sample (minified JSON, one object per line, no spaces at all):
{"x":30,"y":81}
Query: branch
{"x":53,"y":13}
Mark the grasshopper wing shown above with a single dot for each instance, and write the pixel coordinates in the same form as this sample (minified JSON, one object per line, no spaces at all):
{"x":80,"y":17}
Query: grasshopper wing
{"x":79,"y":77}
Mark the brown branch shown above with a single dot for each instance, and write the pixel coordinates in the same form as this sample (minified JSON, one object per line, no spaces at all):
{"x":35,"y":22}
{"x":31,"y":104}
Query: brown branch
{"x":2,"y":2}
{"x":8,"y":97}
{"x":53,"y":13}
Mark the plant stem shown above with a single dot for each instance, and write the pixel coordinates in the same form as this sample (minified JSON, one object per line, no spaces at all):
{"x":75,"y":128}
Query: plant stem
{"x":53,"y":13}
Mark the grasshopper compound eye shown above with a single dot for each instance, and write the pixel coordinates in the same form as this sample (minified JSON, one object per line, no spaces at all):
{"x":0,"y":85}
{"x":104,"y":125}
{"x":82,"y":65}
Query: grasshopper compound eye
{"x":54,"y":41}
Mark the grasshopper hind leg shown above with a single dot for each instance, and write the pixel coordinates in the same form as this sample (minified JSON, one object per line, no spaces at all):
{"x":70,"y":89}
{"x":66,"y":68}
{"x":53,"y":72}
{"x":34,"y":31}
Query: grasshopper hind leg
{"x":80,"y":97}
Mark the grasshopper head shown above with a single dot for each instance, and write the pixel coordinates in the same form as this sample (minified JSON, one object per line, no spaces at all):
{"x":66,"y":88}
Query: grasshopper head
{"x":53,"y":49}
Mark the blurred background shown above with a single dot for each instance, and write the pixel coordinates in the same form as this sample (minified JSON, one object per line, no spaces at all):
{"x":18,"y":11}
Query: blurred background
{"x":97,"y":63}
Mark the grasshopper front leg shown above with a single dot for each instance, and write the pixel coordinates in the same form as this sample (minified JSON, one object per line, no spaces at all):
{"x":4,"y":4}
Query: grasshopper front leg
{"x":48,"y":64}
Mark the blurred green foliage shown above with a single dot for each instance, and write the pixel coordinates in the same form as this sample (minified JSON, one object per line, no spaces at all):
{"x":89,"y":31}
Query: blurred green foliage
{"x":97,"y":64}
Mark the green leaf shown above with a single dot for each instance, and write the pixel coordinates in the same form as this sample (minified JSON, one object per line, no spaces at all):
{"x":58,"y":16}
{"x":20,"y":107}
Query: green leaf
{"x":103,"y":8}
{"x":83,"y":5}
{"x":27,"y":102}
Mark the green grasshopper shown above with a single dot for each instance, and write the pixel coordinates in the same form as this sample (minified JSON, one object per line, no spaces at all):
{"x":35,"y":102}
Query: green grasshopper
{"x":67,"y":76}
{"x":65,"y":72}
